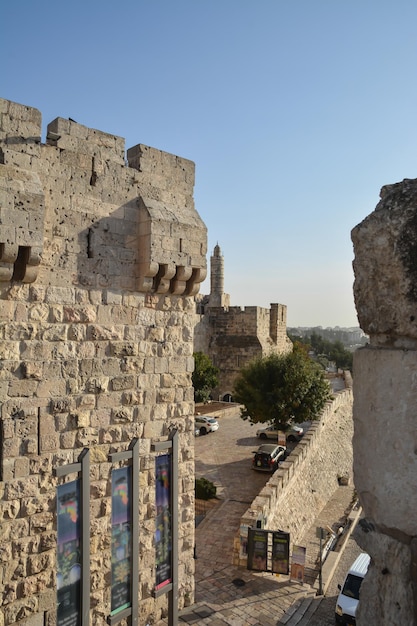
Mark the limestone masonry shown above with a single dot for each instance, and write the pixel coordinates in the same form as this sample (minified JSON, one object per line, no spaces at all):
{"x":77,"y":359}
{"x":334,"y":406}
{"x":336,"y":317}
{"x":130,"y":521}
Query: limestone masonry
{"x":296,"y":493}
{"x":234,"y":336}
{"x":100,"y":260}
{"x":384,"y":409}
{"x":102,"y":254}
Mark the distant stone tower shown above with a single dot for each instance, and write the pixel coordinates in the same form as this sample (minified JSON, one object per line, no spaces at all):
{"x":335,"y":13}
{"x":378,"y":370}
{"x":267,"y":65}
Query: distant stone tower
{"x":217,"y":296}
{"x":232,"y":336}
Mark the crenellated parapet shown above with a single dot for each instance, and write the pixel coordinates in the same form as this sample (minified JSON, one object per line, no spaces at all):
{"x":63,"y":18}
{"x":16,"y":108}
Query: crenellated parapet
{"x":99,"y":259}
{"x":22,"y":198}
{"x":77,"y":207}
{"x":233,"y":336}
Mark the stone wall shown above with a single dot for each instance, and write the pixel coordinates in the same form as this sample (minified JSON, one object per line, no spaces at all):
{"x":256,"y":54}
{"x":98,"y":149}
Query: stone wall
{"x":217,"y":409}
{"x":99,"y":263}
{"x":306,"y":480}
{"x":385,"y":390}
{"x":234,"y":336}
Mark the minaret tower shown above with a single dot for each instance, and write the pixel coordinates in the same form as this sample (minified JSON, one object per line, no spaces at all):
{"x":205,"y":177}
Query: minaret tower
{"x":217,"y":295}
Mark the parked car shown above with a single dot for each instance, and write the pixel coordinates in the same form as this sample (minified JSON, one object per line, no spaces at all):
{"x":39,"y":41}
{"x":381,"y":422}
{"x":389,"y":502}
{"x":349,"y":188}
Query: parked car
{"x":267,"y":457}
{"x":348,"y":599}
{"x":294,"y":433}
{"x":206,"y":424}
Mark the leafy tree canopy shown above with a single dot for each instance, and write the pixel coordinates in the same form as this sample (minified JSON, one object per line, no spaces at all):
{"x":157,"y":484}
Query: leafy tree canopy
{"x":205,"y":377}
{"x":278,"y":389}
{"x":326,"y":350}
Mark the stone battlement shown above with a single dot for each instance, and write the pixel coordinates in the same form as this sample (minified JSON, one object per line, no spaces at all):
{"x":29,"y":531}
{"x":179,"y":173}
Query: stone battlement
{"x":100,"y":258}
{"x":136,"y":221}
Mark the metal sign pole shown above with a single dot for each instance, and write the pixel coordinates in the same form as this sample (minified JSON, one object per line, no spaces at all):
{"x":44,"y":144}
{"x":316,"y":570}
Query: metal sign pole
{"x":172,"y":588}
{"x":173,"y":596}
{"x":82,"y":468}
{"x":320,"y":591}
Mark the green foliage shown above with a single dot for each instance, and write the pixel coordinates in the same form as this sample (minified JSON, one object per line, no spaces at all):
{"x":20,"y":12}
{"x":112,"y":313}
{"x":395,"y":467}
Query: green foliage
{"x":326,"y":350}
{"x":279,"y":388}
{"x":205,"y":489}
{"x":205,"y":377}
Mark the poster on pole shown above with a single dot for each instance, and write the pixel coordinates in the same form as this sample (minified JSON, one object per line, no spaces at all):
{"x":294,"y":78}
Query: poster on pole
{"x":280,"y":552}
{"x":121,"y":539}
{"x":282,"y":438}
{"x":68,"y":554}
{"x":298,"y":560}
{"x":163,"y":532}
{"x":258,"y":550}
{"x":243,"y":551}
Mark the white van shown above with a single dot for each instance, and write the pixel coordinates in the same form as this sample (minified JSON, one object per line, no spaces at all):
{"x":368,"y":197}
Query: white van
{"x":348,"y":598}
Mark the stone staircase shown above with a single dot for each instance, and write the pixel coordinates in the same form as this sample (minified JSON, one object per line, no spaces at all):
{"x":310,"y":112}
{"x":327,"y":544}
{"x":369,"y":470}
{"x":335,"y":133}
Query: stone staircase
{"x":301,"y":612}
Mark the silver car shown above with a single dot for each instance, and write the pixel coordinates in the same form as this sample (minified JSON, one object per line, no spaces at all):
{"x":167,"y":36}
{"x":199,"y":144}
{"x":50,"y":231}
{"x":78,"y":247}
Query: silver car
{"x":293,"y":434}
{"x":206,"y":424}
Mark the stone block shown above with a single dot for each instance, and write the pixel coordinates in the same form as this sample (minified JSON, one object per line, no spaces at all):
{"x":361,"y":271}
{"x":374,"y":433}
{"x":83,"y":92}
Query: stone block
{"x":387,"y":486}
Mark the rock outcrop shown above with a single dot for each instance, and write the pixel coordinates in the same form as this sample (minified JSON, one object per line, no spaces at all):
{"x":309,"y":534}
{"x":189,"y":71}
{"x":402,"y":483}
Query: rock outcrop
{"x":385,"y":404}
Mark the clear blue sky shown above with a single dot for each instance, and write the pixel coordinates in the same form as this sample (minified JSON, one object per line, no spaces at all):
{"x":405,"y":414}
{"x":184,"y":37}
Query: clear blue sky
{"x":295,"y":112}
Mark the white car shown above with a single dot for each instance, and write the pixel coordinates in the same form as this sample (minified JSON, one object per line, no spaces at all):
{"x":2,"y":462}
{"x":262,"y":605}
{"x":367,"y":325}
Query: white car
{"x":294,"y":433}
{"x":348,"y":599}
{"x":206,"y":424}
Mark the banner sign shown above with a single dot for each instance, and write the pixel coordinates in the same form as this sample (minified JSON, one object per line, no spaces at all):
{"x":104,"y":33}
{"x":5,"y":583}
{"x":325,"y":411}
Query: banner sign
{"x":243,"y":541}
{"x":68,"y":554}
{"x":298,"y":560}
{"x":121,"y":539}
{"x":163,"y":539}
{"x":257,"y":550}
{"x":280,"y":552}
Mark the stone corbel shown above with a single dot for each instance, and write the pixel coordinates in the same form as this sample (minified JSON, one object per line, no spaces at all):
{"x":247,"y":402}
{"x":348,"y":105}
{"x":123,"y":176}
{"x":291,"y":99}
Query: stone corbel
{"x":193,"y":284}
{"x":8,"y":256}
{"x":19,"y":263}
{"x":179,"y":282}
{"x":172,"y":245}
{"x":163,"y":278}
{"x":147,"y":273}
{"x":30,"y":271}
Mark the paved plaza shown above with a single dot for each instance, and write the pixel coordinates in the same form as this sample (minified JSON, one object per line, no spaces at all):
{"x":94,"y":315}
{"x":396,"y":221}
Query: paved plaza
{"x":225,"y":594}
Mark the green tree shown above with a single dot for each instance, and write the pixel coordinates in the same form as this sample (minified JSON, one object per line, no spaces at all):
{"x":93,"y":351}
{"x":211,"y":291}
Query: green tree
{"x":342,"y":357}
{"x":278,"y":389}
{"x":205,"y":377}
{"x":326,"y":350}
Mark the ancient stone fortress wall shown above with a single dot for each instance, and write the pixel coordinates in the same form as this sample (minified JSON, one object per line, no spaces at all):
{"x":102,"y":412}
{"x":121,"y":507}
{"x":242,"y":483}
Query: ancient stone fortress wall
{"x":99,"y":261}
{"x":305,"y":481}
{"x":385,"y":404}
{"x":234,"y":336}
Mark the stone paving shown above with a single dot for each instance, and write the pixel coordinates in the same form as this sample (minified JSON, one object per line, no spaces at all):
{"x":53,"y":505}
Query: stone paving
{"x":225,"y":594}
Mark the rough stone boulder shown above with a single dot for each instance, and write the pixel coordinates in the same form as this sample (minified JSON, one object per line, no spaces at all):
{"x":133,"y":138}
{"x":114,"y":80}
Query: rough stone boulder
{"x":385,"y":264}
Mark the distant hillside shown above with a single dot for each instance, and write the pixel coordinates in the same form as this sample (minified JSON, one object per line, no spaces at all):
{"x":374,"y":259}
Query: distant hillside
{"x":351,"y":338}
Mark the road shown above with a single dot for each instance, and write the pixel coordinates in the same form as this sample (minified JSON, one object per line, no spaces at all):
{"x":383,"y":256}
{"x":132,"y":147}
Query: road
{"x":225,"y":457}
{"x":324,"y":615}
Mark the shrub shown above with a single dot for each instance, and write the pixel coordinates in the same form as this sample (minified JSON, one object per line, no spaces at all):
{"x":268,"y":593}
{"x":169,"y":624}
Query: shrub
{"x":204,"y":489}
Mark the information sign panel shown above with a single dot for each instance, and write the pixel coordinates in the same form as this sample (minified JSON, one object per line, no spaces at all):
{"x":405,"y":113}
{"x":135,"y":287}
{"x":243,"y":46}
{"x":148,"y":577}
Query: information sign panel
{"x":68,"y":554}
{"x":163,"y":532}
{"x":121,"y":539}
{"x":280,"y":552}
